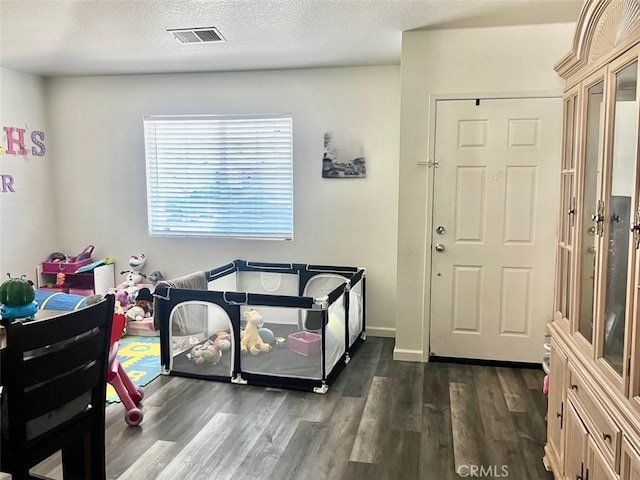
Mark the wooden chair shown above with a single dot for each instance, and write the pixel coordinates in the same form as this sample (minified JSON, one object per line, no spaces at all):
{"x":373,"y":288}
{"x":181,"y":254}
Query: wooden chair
{"x":54,"y":376}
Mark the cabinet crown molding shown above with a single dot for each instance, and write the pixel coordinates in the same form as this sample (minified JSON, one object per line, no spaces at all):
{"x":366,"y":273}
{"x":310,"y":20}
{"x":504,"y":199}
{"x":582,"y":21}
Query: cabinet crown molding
{"x":602,"y":27}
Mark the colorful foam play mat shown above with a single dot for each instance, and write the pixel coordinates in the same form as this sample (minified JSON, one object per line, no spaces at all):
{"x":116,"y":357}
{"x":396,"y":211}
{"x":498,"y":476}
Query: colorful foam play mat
{"x":140,"y":358}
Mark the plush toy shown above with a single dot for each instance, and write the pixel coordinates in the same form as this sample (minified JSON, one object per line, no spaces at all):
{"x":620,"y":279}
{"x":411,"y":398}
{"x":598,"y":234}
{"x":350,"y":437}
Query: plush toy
{"x":210,"y":352}
{"x":144,"y":300}
{"x":56,"y":257}
{"x":136,"y":313}
{"x":223,"y":338}
{"x":134,"y":276}
{"x":15,"y":292}
{"x":8,"y":313}
{"x":155,"y":277}
{"x":17,"y":299}
{"x":251,"y":341}
{"x":122,"y":296}
{"x":267,"y":336}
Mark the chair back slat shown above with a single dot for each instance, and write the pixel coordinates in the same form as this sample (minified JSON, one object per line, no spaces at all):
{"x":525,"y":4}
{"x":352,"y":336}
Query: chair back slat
{"x":41,"y":333}
{"x":59,"y":360}
{"x":61,"y":392}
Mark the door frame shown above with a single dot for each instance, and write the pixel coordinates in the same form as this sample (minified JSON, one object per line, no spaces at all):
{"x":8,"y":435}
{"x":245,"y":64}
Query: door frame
{"x":434,"y":98}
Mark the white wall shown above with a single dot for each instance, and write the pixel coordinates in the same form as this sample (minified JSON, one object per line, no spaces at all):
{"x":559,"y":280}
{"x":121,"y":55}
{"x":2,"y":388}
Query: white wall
{"x":97,"y":135}
{"x":455,"y":61}
{"x":27,"y":223}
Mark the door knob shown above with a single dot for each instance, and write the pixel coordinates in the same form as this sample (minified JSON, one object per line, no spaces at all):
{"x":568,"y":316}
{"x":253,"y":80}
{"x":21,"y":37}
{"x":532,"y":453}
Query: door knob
{"x":440,"y":230}
{"x":439,"y":247}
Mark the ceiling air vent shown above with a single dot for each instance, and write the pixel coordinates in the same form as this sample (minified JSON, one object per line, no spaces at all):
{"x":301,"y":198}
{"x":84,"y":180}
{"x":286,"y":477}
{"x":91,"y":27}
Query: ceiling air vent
{"x":197,"y":35}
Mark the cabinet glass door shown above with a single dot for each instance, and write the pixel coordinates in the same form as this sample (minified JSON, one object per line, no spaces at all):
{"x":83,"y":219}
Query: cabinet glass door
{"x":567,"y":207}
{"x":590,"y":227}
{"x":619,"y":214}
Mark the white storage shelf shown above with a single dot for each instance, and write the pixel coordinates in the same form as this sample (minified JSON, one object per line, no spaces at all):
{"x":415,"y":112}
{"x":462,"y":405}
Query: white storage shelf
{"x":97,"y":281}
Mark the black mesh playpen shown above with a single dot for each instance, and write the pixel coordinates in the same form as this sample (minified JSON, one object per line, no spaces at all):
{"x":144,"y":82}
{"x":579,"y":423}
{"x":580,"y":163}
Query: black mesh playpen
{"x":270,"y":324}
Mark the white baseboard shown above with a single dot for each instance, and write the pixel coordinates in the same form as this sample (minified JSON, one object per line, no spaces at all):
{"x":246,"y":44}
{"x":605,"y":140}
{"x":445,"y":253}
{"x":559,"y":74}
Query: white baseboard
{"x":381,"y":332}
{"x":400,"y":354}
{"x":405,"y":355}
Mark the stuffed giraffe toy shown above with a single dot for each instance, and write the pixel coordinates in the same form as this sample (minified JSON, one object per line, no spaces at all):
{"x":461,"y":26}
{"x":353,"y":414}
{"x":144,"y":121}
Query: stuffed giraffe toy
{"x":251,"y":341}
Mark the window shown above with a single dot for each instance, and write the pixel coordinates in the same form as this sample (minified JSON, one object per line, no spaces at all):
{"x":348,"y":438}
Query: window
{"x":225,"y":176}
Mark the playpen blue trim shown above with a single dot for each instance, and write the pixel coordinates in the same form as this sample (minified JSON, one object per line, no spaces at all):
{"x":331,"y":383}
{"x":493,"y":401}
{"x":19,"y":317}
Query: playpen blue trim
{"x":167,"y":298}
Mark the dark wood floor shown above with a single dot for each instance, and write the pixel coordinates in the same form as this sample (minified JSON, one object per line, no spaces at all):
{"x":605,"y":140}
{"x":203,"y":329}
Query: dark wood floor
{"x":382,"y":419}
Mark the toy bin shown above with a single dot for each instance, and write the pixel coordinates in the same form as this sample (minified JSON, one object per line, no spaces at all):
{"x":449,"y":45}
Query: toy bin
{"x":305,"y":343}
{"x":71,"y":264}
{"x":64,"y":267}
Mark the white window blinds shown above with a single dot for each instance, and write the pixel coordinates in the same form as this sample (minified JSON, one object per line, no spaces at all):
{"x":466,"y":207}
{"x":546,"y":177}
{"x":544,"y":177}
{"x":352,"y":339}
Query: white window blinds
{"x":220,"y":176}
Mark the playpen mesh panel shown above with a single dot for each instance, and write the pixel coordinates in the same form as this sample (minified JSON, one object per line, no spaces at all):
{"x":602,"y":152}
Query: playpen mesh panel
{"x":199,"y":343}
{"x":356,"y":312}
{"x":271,"y":283}
{"x":318,"y":287}
{"x":335,"y":333}
{"x":225,"y":283}
{"x":293,"y":353}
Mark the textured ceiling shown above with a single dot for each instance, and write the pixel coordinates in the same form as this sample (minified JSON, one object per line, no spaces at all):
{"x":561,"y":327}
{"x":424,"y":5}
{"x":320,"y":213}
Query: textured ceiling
{"x":102,"y":37}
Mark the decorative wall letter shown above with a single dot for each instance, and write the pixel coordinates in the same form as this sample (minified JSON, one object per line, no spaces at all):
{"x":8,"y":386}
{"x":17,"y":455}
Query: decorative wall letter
{"x":38,"y":149}
{"x":7,"y":183}
{"x":15,"y":145}
{"x":11,"y":141}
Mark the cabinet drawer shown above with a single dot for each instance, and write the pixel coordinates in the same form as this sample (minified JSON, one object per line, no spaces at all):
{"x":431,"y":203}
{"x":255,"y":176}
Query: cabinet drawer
{"x":601,"y":426}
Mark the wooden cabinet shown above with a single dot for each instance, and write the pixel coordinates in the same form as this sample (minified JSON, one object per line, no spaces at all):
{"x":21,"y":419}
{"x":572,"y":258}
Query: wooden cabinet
{"x":600,"y":424}
{"x":574,"y":464}
{"x":584,"y":460}
{"x":583,"y":440}
{"x":597,"y":466}
{"x":99,"y":281}
{"x":556,"y":406}
{"x":630,"y":467}
{"x":596,"y":326}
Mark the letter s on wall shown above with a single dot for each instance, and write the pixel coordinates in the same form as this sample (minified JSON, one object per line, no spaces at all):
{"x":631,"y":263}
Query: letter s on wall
{"x":37,"y":138}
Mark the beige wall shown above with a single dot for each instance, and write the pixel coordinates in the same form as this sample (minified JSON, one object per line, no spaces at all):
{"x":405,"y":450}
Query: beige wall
{"x":27,"y":227}
{"x":457,"y":61}
{"x":97,"y":139}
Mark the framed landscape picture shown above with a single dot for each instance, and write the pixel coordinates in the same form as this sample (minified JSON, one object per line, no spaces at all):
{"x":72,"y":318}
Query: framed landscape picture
{"x":343,"y":157}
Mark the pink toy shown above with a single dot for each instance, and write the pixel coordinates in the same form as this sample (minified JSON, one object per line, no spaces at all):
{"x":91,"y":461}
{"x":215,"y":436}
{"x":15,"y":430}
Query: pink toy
{"x":129,"y":394}
{"x":122,"y":296}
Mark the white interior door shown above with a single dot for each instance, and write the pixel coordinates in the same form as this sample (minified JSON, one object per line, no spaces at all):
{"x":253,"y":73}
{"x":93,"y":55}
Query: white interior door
{"x":496,"y":192}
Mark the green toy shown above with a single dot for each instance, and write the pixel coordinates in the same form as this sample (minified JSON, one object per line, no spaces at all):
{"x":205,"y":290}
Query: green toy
{"x":16,"y":291}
